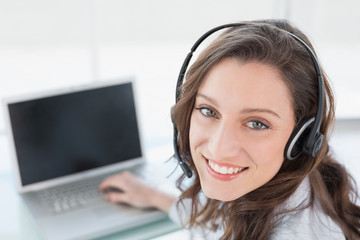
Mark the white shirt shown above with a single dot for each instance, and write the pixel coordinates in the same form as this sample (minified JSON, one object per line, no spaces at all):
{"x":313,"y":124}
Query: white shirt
{"x":305,"y":224}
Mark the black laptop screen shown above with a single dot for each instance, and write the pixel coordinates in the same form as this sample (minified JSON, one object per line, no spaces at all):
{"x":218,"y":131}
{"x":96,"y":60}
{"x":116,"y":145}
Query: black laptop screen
{"x":69,"y":133}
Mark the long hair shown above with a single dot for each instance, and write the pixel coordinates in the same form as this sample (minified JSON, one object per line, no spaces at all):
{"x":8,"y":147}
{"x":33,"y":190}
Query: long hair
{"x":252,"y":215}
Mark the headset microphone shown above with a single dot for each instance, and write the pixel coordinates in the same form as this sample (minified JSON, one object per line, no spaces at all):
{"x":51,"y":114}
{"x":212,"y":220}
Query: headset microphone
{"x":305,"y":138}
{"x":184,"y":166}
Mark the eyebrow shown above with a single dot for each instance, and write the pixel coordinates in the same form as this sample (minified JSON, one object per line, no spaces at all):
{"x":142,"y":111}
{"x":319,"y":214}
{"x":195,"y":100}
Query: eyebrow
{"x":261,"y":110}
{"x":243,"y":111}
{"x":213,"y":101}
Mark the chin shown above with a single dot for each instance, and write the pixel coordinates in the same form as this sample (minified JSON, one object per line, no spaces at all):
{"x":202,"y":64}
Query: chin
{"x":221,"y":196}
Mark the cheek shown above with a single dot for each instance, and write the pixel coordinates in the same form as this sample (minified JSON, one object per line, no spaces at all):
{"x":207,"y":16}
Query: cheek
{"x":276,"y":148}
{"x":263,"y":146}
{"x":271,"y":154}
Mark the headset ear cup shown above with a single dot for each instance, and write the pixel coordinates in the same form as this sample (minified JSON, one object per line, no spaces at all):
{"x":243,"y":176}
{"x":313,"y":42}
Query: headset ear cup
{"x":294,"y":146}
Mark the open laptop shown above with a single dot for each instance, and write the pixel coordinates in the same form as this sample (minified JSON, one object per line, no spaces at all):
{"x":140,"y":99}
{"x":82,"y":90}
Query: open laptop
{"x":64,"y":144}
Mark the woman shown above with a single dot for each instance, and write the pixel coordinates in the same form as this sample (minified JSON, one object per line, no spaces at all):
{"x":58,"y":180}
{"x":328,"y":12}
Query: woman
{"x":242,"y":99}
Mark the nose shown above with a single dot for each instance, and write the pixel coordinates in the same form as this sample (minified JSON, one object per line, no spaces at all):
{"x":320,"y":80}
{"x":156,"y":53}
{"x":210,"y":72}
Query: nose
{"x":225,"y":141}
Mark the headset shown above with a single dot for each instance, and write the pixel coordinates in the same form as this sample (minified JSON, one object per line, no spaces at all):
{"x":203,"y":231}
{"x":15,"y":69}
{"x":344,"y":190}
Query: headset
{"x":305,"y":138}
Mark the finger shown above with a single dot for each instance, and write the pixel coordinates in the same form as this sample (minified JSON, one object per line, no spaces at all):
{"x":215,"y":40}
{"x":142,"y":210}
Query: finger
{"x":112,"y":181}
{"x":105,"y":184}
{"x":117,"y":198}
{"x":121,"y":181}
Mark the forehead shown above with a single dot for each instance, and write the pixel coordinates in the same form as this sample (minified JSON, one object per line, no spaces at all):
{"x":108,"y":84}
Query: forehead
{"x":251,"y":84}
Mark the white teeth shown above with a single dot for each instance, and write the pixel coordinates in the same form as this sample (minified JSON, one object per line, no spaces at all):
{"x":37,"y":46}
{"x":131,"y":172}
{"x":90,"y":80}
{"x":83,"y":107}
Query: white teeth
{"x":216,"y":168}
{"x":224,"y":170}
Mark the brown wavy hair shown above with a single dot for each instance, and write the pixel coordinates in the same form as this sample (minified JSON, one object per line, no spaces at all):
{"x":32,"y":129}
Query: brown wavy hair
{"x":252,"y":215}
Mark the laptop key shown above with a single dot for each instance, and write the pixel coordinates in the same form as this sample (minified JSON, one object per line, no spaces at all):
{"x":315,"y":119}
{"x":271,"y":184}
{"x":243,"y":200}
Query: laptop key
{"x":71,"y":197}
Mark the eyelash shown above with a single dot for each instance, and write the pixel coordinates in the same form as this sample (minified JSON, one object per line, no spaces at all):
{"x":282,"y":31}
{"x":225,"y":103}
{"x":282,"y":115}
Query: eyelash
{"x":201,"y":108}
{"x":263,"y":125}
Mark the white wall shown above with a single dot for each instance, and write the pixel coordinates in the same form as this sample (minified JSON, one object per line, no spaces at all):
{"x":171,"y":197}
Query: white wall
{"x":47,"y":44}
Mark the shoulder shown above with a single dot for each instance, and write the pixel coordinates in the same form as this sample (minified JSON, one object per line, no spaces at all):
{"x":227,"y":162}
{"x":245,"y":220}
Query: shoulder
{"x":304,"y":222}
{"x":307,"y":224}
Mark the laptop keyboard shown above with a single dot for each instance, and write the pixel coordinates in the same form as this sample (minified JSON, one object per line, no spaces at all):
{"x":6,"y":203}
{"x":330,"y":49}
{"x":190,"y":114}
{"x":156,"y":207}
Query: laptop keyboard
{"x":74,"y":196}
{"x":66,"y":198}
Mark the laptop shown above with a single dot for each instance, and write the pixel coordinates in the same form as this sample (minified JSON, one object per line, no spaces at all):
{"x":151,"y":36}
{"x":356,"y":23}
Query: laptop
{"x":64,"y":143}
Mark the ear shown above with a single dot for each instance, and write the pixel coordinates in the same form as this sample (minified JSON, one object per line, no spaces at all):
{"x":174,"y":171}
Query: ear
{"x":295,"y":145}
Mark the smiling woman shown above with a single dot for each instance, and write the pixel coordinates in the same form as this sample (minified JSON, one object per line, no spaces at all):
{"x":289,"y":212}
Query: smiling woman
{"x":251,"y":127}
{"x":244,"y":101}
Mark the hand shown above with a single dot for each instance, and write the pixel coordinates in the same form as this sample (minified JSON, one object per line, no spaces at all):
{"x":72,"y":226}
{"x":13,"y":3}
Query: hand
{"x":135,"y":192}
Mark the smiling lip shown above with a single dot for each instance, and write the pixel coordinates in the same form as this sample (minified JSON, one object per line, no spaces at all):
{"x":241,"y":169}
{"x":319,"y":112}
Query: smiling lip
{"x":225,"y":172}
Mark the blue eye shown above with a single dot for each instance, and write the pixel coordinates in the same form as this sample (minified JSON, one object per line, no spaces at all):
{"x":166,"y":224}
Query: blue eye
{"x":256,"y":125}
{"x":207,"y":112}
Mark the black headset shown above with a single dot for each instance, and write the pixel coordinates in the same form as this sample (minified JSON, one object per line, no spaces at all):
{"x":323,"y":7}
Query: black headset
{"x":305,"y":138}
